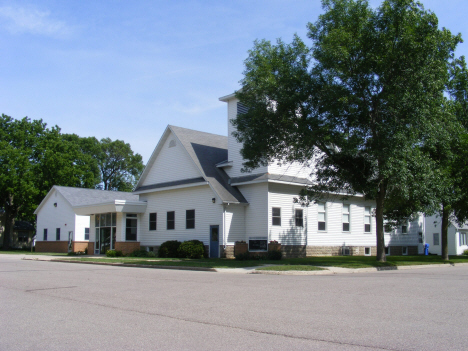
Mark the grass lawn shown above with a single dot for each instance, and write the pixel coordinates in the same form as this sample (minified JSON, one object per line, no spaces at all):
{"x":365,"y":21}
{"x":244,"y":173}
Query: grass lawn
{"x":28,"y":252}
{"x":285,"y":264}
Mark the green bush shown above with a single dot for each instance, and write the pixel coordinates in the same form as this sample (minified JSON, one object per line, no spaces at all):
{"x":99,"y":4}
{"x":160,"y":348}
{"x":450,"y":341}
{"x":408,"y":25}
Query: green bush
{"x":114,"y":253}
{"x":274,"y":255}
{"x":142,"y":253}
{"x":244,"y":256}
{"x":191,"y":249}
{"x":465,"y":252}
{"x":169,"y":249}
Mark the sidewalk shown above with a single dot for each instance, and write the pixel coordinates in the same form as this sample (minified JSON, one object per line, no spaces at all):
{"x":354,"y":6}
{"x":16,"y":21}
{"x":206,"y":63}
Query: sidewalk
{"x":244,"y":270}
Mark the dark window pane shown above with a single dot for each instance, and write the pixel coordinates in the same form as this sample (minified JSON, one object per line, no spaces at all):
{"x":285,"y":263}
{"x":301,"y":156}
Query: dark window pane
{"x":367,"y":228}
{"x":190,"y":219}
{"x":171,"y":220}
{"x":276,"y":216}
{"x":258,"y":245}
{"x":45,"y":234}
{"x":299,"y":220}
{"x":321,"y":225}
{"x":57,"y":234}
{"x":276,"y":220}
{"x":346,"y":227}
{"x":152,"y":221}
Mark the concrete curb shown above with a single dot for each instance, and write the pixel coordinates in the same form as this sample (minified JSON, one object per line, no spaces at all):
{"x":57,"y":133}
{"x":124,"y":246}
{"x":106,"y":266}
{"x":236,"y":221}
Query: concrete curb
{"x":252,"y":270}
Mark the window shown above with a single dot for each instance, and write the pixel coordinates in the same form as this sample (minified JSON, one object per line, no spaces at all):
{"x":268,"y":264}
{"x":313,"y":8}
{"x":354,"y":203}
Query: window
{"x":86,"y":233}
{"x":153,"y":217}
{"x":45,"y":234}
{"x":322,"y":214}
{"x":170,"y":220}
{"x":404,"y":229}
{"x":276,"y":216}
{"x":57,"y":234}
{"x":258,"y":243}
{"x":387,"y":251}
{"x":131,"y":227}
{"x":436,"y":239}
{"x":345,"y":217}
{"x":420,"y":237}
{"x":404,"y":250}
{"x":298,"y":215}
{"x":462,"y":239}
{"x":367,"y":251}
{"x":367,"y":219}
{"x":190,"y":219}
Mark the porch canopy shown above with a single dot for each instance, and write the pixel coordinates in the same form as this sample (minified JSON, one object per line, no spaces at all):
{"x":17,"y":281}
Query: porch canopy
{"x":123,"y":206}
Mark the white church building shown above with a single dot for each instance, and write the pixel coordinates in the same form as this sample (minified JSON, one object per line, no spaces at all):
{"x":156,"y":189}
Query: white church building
{"x":193,"y":188}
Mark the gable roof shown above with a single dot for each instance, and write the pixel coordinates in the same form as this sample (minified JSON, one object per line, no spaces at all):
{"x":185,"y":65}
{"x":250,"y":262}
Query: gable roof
{"x":84,"y":197}
{"x":206,"y":150}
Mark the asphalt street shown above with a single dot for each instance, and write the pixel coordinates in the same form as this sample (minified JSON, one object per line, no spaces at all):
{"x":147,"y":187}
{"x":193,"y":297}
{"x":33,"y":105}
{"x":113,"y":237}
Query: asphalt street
{"x":63,"y":306}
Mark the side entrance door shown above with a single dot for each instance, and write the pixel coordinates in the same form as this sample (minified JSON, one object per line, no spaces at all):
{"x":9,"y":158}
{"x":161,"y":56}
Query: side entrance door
{"x":214,"y":241}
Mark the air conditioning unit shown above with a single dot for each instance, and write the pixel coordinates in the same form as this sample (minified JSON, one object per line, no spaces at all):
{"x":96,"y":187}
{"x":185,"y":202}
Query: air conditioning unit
{"x":345,"y":251}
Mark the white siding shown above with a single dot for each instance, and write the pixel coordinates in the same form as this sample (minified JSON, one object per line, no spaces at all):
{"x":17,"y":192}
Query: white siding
{"x":294,"y":169}
{"x":234,"y":147}
{"x":334,"y":235}
{"x":180,"y":200}
{"x":256,"y":213}
{"x":81,"y":222}
{"x":235,"y":224}
{"x":172,"y":163}
{"x":50,"y":217}
{"x":282,"y":196}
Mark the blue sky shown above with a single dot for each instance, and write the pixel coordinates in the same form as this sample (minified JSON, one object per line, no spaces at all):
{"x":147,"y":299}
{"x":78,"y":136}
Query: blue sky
{"x":127,"y":69}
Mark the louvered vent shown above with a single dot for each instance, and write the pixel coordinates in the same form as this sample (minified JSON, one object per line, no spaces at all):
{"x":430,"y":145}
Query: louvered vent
{"x":241,"y":109}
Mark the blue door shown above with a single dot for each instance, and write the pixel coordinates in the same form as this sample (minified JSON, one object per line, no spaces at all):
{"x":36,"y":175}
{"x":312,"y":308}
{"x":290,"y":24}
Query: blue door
{"x":214,"y":241}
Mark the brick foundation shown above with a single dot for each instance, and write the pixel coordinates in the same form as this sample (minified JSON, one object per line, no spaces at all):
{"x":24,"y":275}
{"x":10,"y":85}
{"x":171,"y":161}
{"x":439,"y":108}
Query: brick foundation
{"x":229,"y":251}
{"x":90,"y":248}
{"x":52,"y":246}
{"x":127,"y":247}
{"x":79,"y":246}
{"x":356,"y":250}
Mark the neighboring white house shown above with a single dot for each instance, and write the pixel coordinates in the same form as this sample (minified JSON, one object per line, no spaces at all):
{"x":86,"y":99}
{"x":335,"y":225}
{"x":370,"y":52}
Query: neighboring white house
{"x":457,"y":237}
{"x":193,"y":188}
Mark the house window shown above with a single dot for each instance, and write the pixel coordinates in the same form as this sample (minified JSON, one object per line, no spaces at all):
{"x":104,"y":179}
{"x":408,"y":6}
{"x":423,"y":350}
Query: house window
{"x":276,"y":216}
{"x":258,"y":243}
{"x":57,"y":234}
{"x":436,"y":239}
{"x":346,"y":217}
{"x":45,"y":234}
{"x":86,"y":233}
{"x":420,"y":237}
{"x":170,"y":220}
{"x":404,"y":250}
{"x":367,"y":219}
{"x":322,"y":214}
{"x":387,"y":250}
{"x":153,"y":217}
{"x":189,"y":219}
{"x":367,"y":251}
{"x":131,"y":227}
{"x":299,"y":218}
{"x":404,"y":229}
{"x":462,"y":239}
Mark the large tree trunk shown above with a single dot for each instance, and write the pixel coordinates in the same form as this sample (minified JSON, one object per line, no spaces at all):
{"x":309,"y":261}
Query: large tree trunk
{"x":444,"y":234}
{"x":379,"y":223}
{"x":8,"y":232}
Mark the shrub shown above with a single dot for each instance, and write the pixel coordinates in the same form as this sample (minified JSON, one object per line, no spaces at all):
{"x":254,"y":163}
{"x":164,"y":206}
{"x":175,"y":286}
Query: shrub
{"x":191,"y":249}
{"x":274,"y":255}
{"x":244,"y":256}
{"x":169,"y":248}
{"x":114,"y":253}
{"x":465,"y":252}
{"x":142,"y":253}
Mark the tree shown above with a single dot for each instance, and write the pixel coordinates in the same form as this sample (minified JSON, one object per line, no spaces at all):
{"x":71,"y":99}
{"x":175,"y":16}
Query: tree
{"x":361,"y":102}
{"x":119,"y":167}
{"x":33,"y":158}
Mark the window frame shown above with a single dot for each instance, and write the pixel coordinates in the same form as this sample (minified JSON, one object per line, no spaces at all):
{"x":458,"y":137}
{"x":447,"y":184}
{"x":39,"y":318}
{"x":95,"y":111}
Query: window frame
{"x":404,"y":250}
{"x":86,"y":233}
{"x":300,"y":218}
{"x":404,"y":229}
{"x":370,"y":251}
{"x":368,"y":216}
{"x":44,"y":234}
{"x":462,"y":242}
{"x":189,"y":221}
{"x":324,"y":229}
{"x":343,"y":214}
{"x":258,"y":239}
{"x":153,"y":222}
{"x":132,"y":217}
{"x":57,"y":234}
{"x":434,"y":236}
{"x":387,"y":251}
{"x":170,"y":222}
{"x":276,"y":217}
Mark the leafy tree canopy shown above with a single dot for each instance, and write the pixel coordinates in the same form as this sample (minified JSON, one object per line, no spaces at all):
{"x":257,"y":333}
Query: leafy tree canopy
{"x":361,"y":102}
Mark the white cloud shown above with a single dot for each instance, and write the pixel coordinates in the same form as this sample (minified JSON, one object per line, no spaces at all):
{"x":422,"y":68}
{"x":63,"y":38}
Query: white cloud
{"x":32,"y":20}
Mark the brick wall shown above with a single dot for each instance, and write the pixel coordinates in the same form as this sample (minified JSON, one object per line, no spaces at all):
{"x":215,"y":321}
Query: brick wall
{"x":79,"y":246}
{"x":52,"y":246}
{"x":127,"y":247}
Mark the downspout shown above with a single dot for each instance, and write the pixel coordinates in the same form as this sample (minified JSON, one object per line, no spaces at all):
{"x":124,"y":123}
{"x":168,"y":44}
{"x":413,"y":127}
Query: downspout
{"x":224,"y":227}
